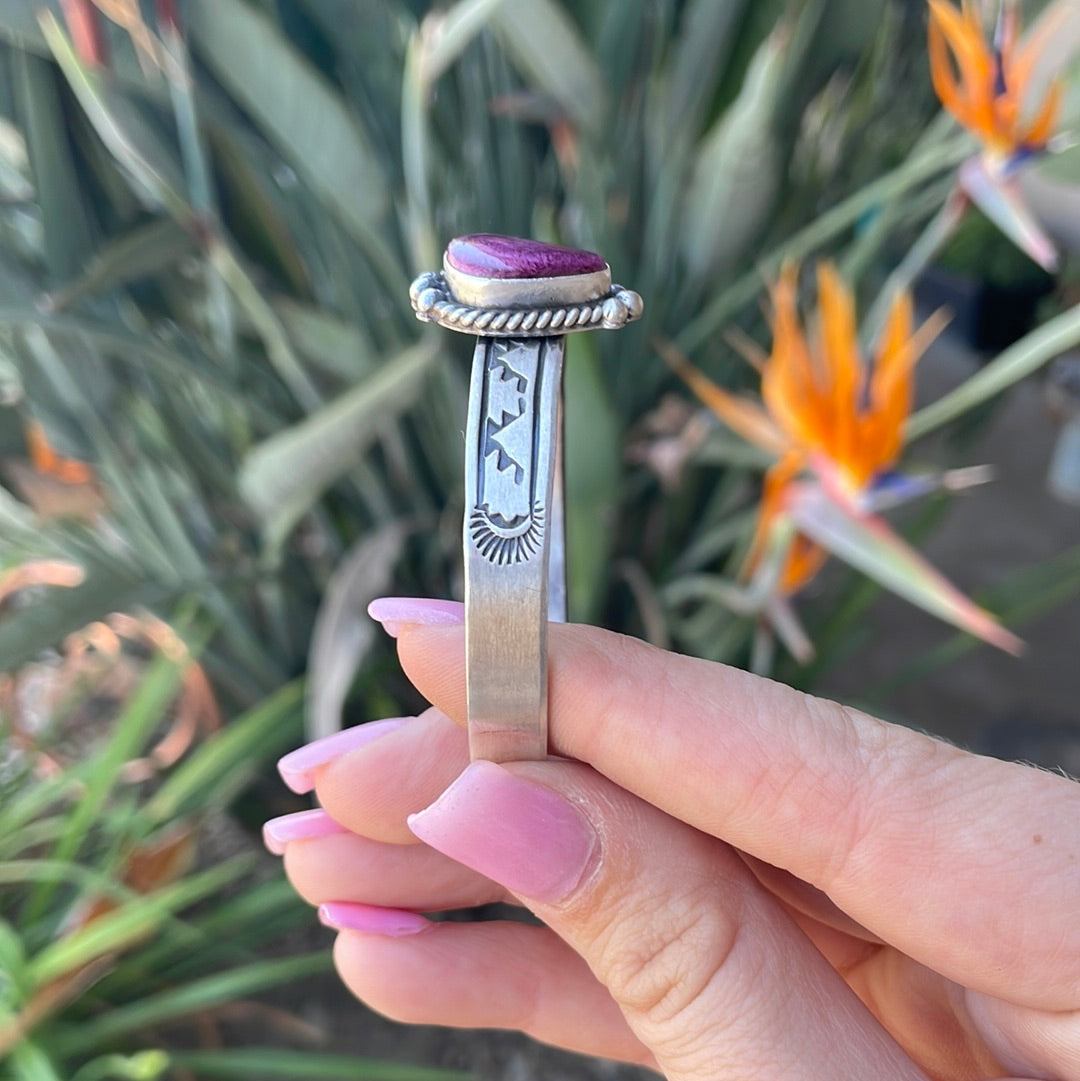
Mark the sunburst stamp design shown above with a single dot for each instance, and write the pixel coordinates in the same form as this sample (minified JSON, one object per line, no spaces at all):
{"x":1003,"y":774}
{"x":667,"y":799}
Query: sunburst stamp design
{"x":504,"y":543}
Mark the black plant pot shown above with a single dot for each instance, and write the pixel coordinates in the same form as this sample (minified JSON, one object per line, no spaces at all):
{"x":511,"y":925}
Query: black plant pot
{"x":987,"y":316}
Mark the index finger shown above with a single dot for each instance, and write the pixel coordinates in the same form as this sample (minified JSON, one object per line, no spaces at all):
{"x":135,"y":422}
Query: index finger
{"x":968,"y":864}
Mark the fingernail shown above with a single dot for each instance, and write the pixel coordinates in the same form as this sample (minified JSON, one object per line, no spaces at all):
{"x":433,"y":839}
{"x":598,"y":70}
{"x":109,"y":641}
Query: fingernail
{"x":302,"y":826}
{"x":524,"y":836}
{"x":397,"y":613}
{"x":371,"y":919}
{"x":298,"y":767}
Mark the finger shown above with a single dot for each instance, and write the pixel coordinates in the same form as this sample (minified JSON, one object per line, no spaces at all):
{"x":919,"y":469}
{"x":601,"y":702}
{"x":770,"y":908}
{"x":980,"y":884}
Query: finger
{"x":345,"y":867}
{"x":709,"y":972}
{"x":488,"y":975}
{"x":372,"y":790}
{"x":1028,"y":1042}
{"x":928,"y":847}
{"x":810,"y":902}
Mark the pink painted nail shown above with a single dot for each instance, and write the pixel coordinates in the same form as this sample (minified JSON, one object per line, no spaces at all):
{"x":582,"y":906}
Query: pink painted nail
{"x":371,"y":919}
{"x":298,"y":767}
{"x":397,"y":613}
{"x":526,"y":837}
{"x":302,"y":826}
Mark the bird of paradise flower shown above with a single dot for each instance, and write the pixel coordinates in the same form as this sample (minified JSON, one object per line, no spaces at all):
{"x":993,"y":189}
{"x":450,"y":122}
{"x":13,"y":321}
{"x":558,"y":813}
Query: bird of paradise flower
{"x":836,"y":428}
{"x":990,"y":88}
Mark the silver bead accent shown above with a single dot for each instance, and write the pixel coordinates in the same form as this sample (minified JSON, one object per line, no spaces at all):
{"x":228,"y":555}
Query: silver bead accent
{"x":631,"y":301}
{"x":426,"y":300}
{"x":615,"y":314}
{"x":433,"y":302}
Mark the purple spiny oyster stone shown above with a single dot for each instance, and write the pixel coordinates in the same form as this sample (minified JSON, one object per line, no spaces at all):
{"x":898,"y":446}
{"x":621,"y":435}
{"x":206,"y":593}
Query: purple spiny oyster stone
{"x":488,"y":255}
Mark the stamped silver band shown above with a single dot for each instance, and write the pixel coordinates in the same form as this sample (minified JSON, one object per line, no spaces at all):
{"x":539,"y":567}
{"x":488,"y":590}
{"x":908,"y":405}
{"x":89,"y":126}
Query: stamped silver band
{"x":512,"y":531}
{"x":515,"y":555}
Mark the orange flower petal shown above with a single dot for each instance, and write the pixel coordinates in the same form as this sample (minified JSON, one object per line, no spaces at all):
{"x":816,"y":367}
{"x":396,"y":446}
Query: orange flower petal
{"x":46,"y":460}
{"x":946,"y":86}
{"x":740,"y":414}
{"x":790,"y":385}
{"x":776,"y":479}
{"x":987,"y":90}
{"x":963,"y":32}
{"x":804,"y":558}
{"x":891,"y":385}
{"x":1045,"y":120}
{"x":840,"y":360}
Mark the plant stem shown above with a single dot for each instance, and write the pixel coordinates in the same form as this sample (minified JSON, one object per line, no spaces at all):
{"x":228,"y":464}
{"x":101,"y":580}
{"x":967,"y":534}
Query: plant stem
{"x":919,"y":256}
{"x":819,"y":232}
{"x":1019,"y":360}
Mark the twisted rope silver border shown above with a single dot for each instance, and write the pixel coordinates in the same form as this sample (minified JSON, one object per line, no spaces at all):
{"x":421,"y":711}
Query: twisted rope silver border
{"x":433,"y":302}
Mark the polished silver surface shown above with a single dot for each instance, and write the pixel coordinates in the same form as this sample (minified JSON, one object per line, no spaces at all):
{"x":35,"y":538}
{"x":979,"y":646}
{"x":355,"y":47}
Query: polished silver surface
{"x":510,"y":535}
{"x":515,"y":553}
{"x":526,"y":292}
{"x":433,"y":301}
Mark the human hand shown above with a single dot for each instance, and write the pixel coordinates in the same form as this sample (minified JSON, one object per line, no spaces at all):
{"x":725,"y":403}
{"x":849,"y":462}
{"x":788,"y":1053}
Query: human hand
{"x":737,"y":880}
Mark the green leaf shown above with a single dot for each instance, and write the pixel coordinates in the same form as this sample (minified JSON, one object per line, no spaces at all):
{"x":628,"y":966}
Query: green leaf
{"x":706,"y":32}
{"x":1018,"y":361}
{"x":150,"y":163}
{"x":593,"y":456}
{"x":274,"y":1062}
{"x":30,"y":1062}
{"x":141,"y":714}
{"x":284,"y":476}
{"x":199,"y":995}
{"x":339,"y":348}
{"x":233,"y":928}
{"x":12,"y":961}
{"x":58,"y":190}
{"x":738,"y":168}
{"x":25,"y":803}
{"x":300,"y":112}
{"x":343,"y":631}
{"x":21,"y":872}
{"x":141,"y":1066}
{"x":819,"y":232}
{"x":544,"y":45}
{"x":227,"y":262}
{"x":177,"y":362}
{"x":446,"y":35}
{"x":32,"y":836}
{"x":200,"y":183}
{"x":125,"y":926}
{"x":146,"y":249}
{"x":219,"y":767}
{"x":19,"y":24}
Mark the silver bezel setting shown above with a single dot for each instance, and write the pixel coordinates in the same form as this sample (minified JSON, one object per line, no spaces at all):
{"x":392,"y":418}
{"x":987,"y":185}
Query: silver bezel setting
{"x":434,"y":301}
{"x":485,"y":292}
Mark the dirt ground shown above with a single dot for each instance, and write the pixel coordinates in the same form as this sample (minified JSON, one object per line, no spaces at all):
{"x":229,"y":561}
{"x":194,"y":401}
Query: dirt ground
{"x":1014,"y":708}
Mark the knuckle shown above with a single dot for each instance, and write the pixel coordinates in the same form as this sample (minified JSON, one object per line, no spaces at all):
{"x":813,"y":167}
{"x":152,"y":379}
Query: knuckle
{"x":885,"y":766}
{"x":657,"y":969}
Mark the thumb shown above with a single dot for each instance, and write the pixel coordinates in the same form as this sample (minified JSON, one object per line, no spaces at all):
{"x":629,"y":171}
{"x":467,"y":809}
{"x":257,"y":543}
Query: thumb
{"x":709,"y":972}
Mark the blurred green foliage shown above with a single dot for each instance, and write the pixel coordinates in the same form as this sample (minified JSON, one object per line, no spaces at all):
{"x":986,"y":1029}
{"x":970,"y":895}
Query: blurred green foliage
{"x":118,"y":944}
{"x":206,"y":241}
{"x":206,"y":250}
